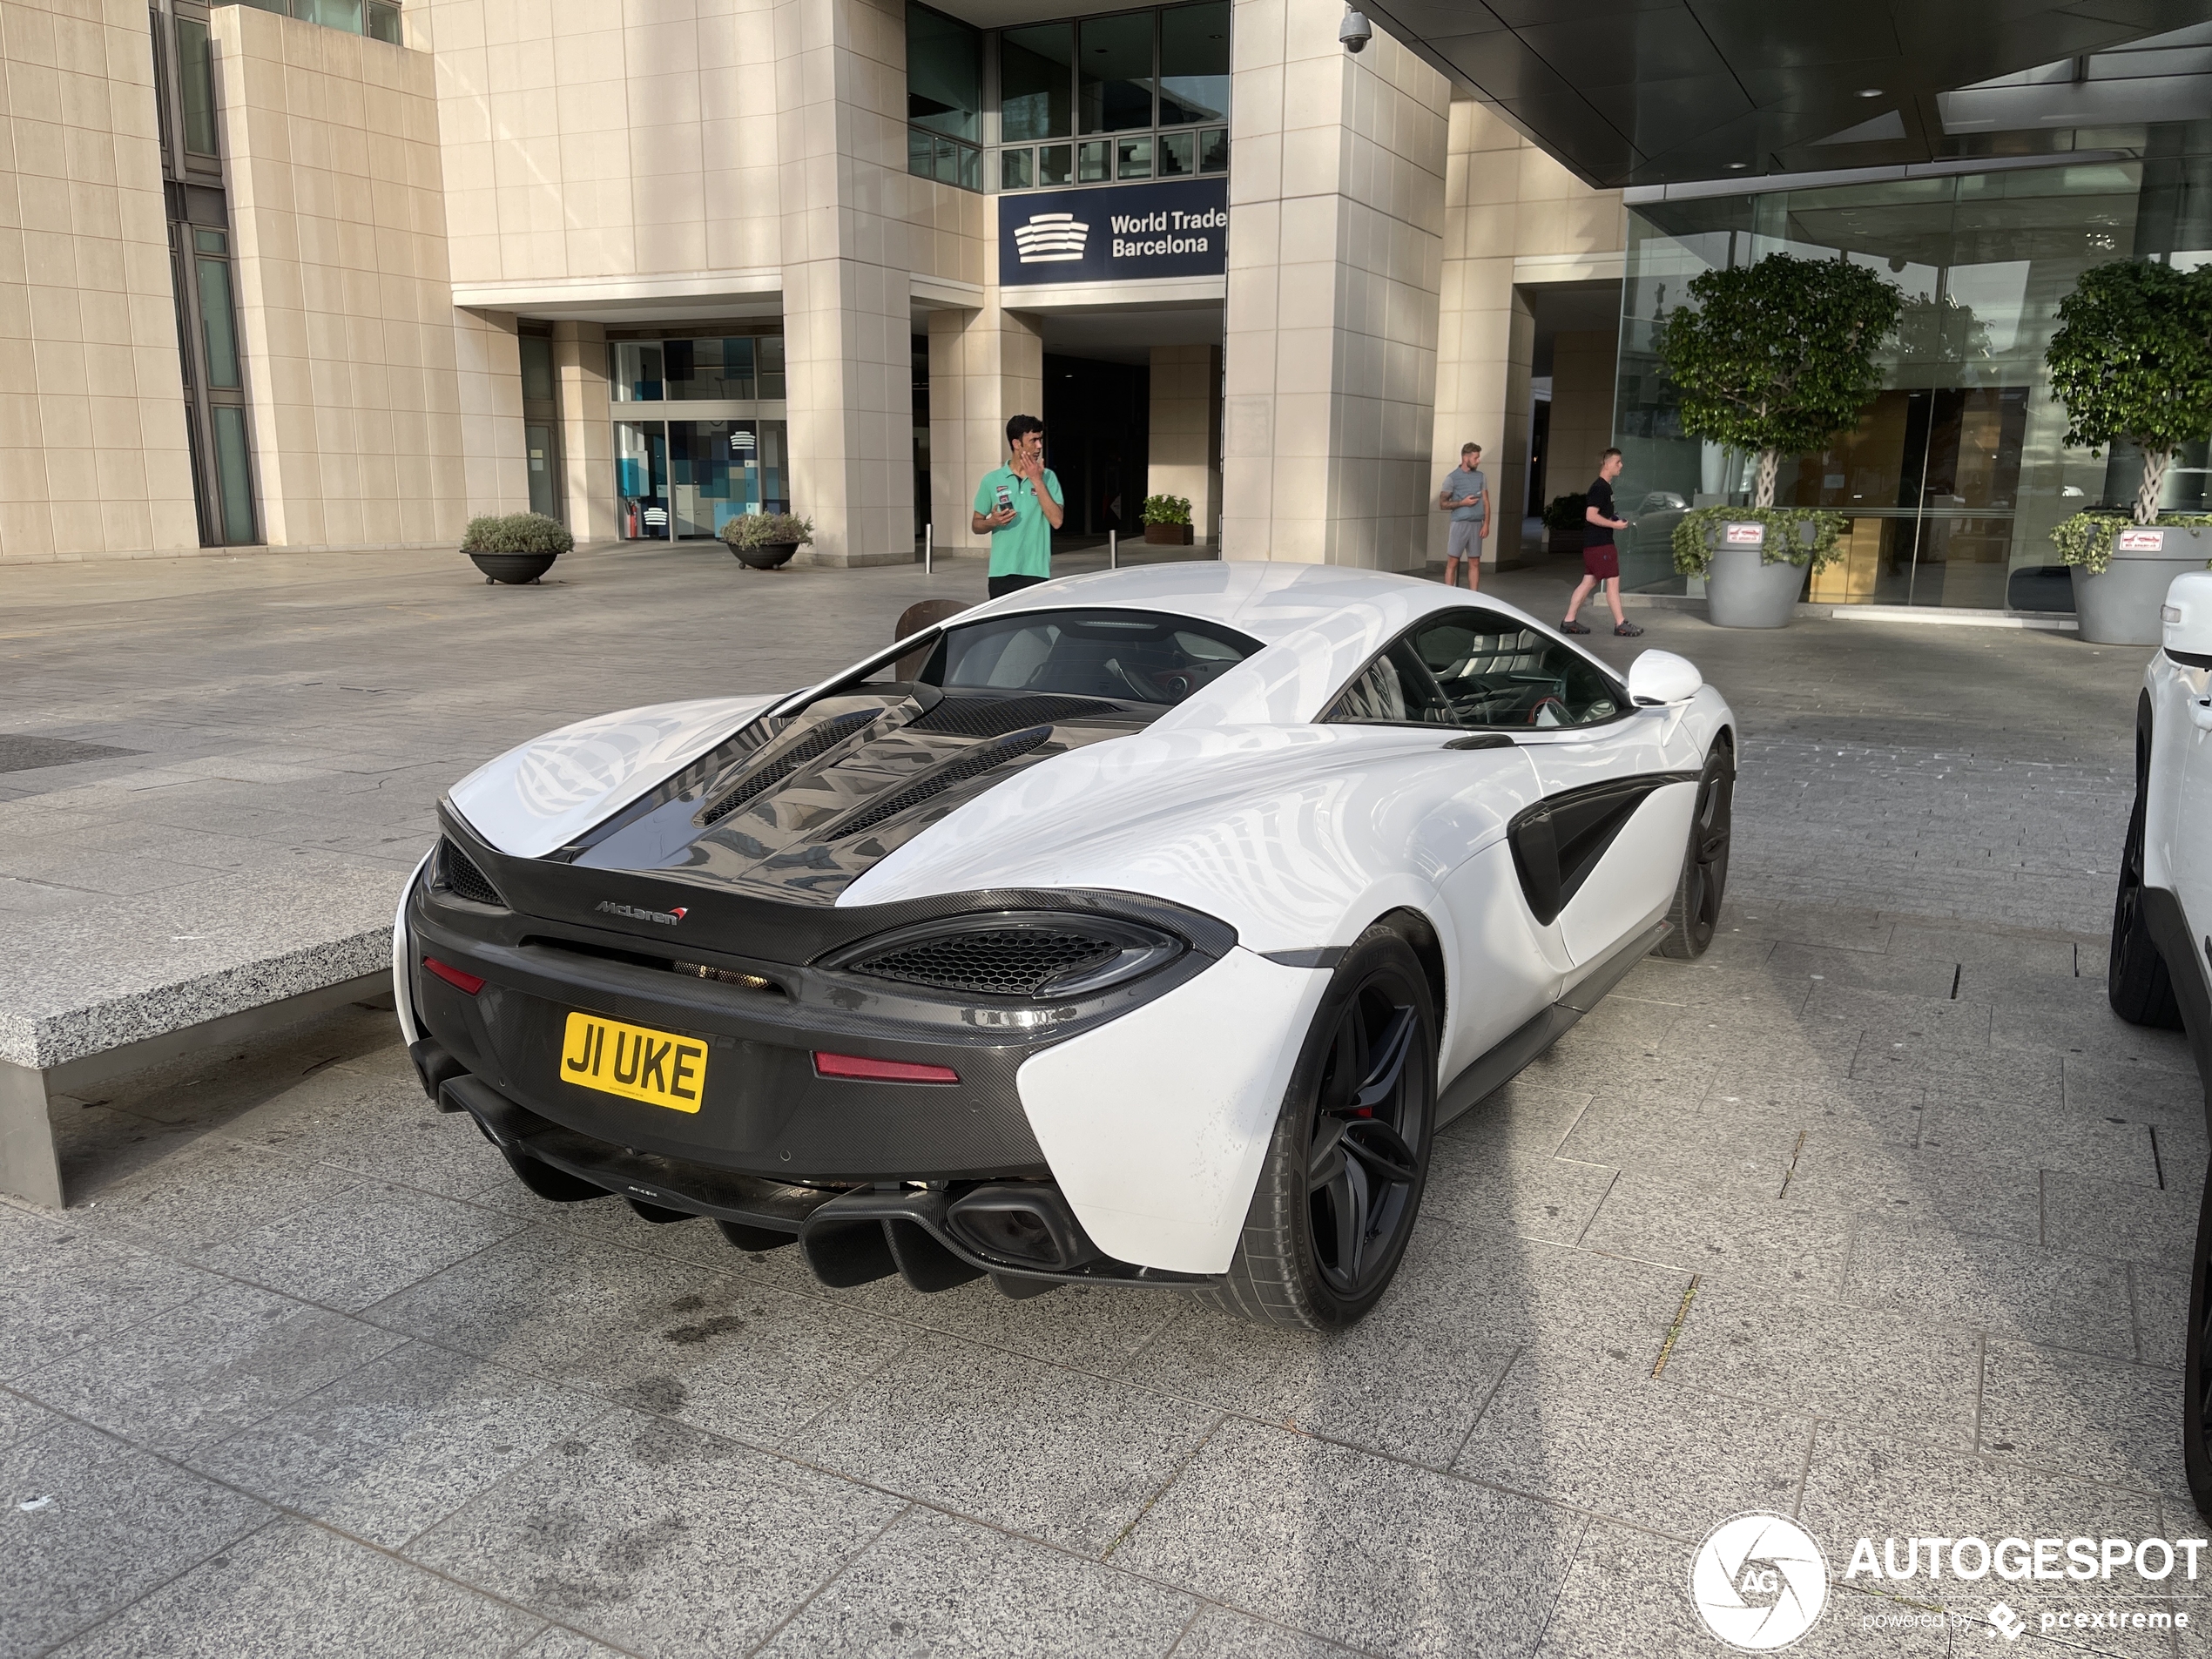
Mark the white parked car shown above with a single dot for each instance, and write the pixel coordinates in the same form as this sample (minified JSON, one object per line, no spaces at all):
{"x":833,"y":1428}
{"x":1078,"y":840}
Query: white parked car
{"x":1139,"y":928}
{"x":2159,"y":973}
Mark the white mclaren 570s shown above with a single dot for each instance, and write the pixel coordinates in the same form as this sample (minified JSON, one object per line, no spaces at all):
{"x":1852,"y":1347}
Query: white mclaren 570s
{"x":1139,"y":928}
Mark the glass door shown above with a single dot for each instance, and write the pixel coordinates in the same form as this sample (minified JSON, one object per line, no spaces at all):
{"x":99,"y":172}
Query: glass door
{"x":641,"y":480}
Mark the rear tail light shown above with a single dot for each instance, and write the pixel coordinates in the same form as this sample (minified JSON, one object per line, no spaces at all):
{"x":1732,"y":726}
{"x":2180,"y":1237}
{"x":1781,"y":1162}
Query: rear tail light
{"x":452,"y":975}
{"x":860,"y":1069}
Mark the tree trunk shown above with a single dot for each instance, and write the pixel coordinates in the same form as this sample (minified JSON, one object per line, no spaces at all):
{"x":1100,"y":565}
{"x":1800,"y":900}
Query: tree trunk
{"x":2154,"y":464}
{"x":1763,"y":481}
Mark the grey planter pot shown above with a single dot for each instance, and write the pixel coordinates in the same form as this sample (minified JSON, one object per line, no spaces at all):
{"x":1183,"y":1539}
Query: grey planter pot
{"x":1742,"y":591}
{"x":2121,"y":607}
{"x":513,"y":568}
{"x":769,"y":555}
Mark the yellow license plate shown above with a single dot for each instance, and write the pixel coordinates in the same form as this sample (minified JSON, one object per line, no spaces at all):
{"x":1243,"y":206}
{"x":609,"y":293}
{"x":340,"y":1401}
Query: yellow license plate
{"x":635,"y":1061}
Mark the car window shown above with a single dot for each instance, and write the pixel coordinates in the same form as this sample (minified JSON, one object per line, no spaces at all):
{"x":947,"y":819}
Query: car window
{"x":1479,"y":669}
{"x":1144,"y":656}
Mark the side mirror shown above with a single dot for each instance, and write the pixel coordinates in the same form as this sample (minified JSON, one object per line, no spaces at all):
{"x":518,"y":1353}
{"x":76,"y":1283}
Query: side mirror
{"x":1661,"y":676}
{"x":2187,"y":616}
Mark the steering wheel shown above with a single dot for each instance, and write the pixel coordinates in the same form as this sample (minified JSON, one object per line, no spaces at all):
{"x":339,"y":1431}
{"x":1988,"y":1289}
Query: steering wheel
{"x":1549,"y":700}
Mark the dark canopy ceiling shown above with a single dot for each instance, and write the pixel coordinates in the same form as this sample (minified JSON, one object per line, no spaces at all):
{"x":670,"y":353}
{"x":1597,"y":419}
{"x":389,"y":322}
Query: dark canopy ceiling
{"x":1661,"y":92}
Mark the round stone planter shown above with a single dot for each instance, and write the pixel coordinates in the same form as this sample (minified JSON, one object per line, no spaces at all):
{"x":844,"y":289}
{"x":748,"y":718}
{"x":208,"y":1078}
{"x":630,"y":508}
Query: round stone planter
{"x":769,"y":555}
{"x":1742,"y":591}
{"x":512,"y":567}
{"x":1168,"y":535}
{"x":2121,"y":607}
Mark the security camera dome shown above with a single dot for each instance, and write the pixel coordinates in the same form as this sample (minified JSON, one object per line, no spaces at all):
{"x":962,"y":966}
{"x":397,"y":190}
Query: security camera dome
{"x":1354,"y":32}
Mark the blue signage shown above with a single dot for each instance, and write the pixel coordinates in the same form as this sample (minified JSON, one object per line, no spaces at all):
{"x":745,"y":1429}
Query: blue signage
{"x":1114,"y":233}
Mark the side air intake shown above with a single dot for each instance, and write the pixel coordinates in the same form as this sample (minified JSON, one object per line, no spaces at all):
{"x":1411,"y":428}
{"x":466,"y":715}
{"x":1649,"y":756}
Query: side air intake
{"x":457,"y":872}
{"x":816,"y":742}
{"x":972,"y":764}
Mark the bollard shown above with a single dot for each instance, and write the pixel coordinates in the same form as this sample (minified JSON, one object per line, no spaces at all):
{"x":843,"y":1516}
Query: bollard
{"x":929,"y":548}
{"x":1113,"y":553}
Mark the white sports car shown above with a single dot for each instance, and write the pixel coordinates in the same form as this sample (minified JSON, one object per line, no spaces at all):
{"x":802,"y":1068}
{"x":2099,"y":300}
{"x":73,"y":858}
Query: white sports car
{"x":2159,"y":973}
{"x":1139,"y":928}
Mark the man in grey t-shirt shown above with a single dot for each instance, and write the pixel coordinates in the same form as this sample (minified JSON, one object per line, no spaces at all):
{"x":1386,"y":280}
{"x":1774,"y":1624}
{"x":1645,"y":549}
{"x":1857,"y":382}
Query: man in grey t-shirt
{"x":1465,"y":495}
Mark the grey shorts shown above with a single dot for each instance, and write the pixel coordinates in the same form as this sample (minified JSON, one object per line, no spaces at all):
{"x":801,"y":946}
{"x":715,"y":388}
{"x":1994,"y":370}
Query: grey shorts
{"x":1466,"y":541}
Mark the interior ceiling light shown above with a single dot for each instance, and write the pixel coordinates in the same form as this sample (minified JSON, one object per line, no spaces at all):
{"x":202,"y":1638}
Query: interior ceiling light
{"x":1737,"y":166}
{"x":1869,"y":91}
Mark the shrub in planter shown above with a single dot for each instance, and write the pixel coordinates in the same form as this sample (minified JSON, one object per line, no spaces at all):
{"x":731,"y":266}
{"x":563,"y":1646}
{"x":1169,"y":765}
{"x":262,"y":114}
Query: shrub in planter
{"x":2119,"y":588}
{"x":766,"y":540}
{"x":515,"y":546}
{"x":1757,"y":587}
{"x":1563,"y":520}
{"x":1167,"y":519}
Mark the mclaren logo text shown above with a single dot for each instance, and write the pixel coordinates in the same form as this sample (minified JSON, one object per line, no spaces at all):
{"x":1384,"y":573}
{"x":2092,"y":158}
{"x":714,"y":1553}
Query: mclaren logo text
{"x":1051,"y":239}
{"x":666,"y":918}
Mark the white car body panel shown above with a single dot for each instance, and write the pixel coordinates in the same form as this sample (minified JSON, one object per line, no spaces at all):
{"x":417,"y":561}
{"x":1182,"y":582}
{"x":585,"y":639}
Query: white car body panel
{"x":1524,"y":966}
{"x":403,"y":959}
{"x":1157,"y":1123}
{"x":2177,"y":822}
{"x":543,"y":794}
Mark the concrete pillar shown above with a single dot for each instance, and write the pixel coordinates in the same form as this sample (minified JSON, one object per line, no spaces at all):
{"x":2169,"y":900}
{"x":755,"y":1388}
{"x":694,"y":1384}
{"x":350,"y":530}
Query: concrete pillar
{"x":1475,"y":370}
{"x":1584,"y":363}
{"x":1335,"y":260}
{"x":1186,"y":381}
{"x":587,"y":433}
{"x":840,"y":86}
{"x":984,"y":366}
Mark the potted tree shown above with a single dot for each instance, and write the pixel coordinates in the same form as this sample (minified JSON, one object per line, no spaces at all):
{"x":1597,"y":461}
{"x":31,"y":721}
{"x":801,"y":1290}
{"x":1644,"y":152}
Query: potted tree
{"x":1564,"y":517}
{"x":515,"y":546}
{"x":2132,"y":362}
{"x":1776,"y":359}
{"x":1167,"y":520}
{"x":766,"y":540}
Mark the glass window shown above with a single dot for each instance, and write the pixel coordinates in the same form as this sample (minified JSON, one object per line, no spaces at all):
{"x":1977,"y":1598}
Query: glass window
{"x":215,"y":322}
{"x":636,"y":377}
{"x":1477,"y":668}
{"x":1133,"y":158}
{"x":537,"y":442}
{"x":1093,"y":162}
{"x":944,"y":74}
{"x":919,"y":148}
{"x":1036,"y":85}
{"x":194,"y":71}
{"x":1056,"y":163}
{"x":1014,"y":170}
{"x":384,"y":23}
{"x":234,"y":480}
{"x":1114,"y":72}
{"x":1213,"y":150}
{"x":1178,"y":154}
{"x":1194,"y":63}
{"x":537,"y":369}
{"x":330,"y":14}
{"x":1126,"y":655}
{"x":641,"y":479}
{"x":947,"y":169}
{"x":771,"y":348}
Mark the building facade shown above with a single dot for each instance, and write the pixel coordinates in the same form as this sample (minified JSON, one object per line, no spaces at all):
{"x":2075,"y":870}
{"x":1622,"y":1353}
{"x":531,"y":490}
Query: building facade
{"x":348,"y":275}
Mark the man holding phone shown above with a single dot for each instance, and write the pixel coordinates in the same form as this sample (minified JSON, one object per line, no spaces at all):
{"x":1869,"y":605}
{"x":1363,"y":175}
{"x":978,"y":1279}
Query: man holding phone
{"x":1021,"y":505}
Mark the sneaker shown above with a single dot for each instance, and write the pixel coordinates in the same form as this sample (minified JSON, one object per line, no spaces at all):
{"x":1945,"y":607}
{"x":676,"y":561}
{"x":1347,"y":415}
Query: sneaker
{"x":1628,"y":631}
{"x":1571,"y":626}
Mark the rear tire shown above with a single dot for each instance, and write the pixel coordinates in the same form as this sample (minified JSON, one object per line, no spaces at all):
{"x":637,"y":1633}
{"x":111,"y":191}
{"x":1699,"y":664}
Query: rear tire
{"x":2136,"y":982}
{"x":1697,"y":910}
{"x":1337,"y":1196}
{"x":2196,"y":1367}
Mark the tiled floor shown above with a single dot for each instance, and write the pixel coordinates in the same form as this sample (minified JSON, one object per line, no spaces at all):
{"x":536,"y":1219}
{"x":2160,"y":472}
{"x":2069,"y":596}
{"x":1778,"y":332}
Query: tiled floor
{"x":309,"y":1373}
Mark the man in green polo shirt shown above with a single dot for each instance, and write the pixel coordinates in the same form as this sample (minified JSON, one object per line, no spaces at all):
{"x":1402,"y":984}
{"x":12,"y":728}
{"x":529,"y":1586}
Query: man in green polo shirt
{"x":1020,"y":505}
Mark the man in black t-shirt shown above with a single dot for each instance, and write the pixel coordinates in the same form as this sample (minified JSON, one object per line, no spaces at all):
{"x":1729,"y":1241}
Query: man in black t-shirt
{"x":1601,"y":559}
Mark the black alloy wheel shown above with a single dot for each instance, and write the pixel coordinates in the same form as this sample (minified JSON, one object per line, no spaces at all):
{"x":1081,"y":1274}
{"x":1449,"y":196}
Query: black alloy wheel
{"x":2136,"y":982}
{"x":1334,"y":1207}
{"x":1696,"y":912}
{"x":2196,"y":1366}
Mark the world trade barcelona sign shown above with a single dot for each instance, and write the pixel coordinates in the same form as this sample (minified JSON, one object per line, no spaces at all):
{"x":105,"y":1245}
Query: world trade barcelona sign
{"x":1114,"y":233}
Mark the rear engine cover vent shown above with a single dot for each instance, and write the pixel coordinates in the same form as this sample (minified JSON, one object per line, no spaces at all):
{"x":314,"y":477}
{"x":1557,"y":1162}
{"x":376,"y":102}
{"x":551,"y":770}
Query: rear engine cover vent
{"x":459,"y":873}
{"x":936,"y":783}
{"x":1013,"y":961}
{"x":823,"y":739}
{"x":994,"y":717}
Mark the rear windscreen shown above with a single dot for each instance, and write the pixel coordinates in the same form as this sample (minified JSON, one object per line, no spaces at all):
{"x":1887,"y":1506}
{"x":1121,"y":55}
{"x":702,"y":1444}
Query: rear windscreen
{"x":1128,"y":655}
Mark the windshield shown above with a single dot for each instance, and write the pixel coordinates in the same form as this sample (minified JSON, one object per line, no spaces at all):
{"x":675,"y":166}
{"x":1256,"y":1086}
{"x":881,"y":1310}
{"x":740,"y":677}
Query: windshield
{"x":1126,"y":655}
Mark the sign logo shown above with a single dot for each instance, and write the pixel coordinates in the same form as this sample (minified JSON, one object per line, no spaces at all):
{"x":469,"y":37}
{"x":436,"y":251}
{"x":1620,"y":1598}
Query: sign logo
{"x":1759,"y":1582}
{"x":2009,"y":1624}
{"x":1753,"y":535}
{"x":2142,"y":541}
{"x":665,"y":917}
{"x":1170,"y":228}
{"x":1052,"y":239}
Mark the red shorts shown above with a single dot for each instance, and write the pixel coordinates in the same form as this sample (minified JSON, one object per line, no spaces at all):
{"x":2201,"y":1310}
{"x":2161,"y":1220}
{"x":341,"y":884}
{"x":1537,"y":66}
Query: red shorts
{"x":1602,"y":561}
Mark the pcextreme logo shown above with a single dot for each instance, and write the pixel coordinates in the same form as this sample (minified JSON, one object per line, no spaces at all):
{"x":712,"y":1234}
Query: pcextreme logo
{"x":1759,"y":1582}
{"x":665,"y":917}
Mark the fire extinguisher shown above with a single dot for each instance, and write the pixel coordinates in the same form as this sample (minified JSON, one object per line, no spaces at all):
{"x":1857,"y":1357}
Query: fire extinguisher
{"x":630,"y":518}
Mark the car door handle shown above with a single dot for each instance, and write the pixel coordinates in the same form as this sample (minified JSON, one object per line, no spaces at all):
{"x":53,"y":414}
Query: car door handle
{"x":1482,"y":740}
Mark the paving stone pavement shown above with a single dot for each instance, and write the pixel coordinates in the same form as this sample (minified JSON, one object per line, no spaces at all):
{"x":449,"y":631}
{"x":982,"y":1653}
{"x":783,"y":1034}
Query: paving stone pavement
{"x":308,"y":1372}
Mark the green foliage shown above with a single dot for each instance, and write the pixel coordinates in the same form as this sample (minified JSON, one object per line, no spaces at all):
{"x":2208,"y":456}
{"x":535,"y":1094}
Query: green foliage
{"x":2132,"y":362}
{"x":1167,"y":509}
{"x":1778,"y":357}
{"x":1564,"y":513}
{"x":516,"y":533}
{"x":2086,"y":538}
{"x":768,"y":530}
{"x":1697,"y":536}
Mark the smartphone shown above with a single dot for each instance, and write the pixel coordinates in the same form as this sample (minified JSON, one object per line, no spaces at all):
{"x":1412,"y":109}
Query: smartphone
{"x":1005,"y":499}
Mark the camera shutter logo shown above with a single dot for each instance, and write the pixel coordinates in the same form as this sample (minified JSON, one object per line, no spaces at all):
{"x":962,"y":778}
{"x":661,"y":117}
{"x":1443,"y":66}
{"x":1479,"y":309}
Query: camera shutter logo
{"x":1759,"y":1582}
{"x":1051,"y":239}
